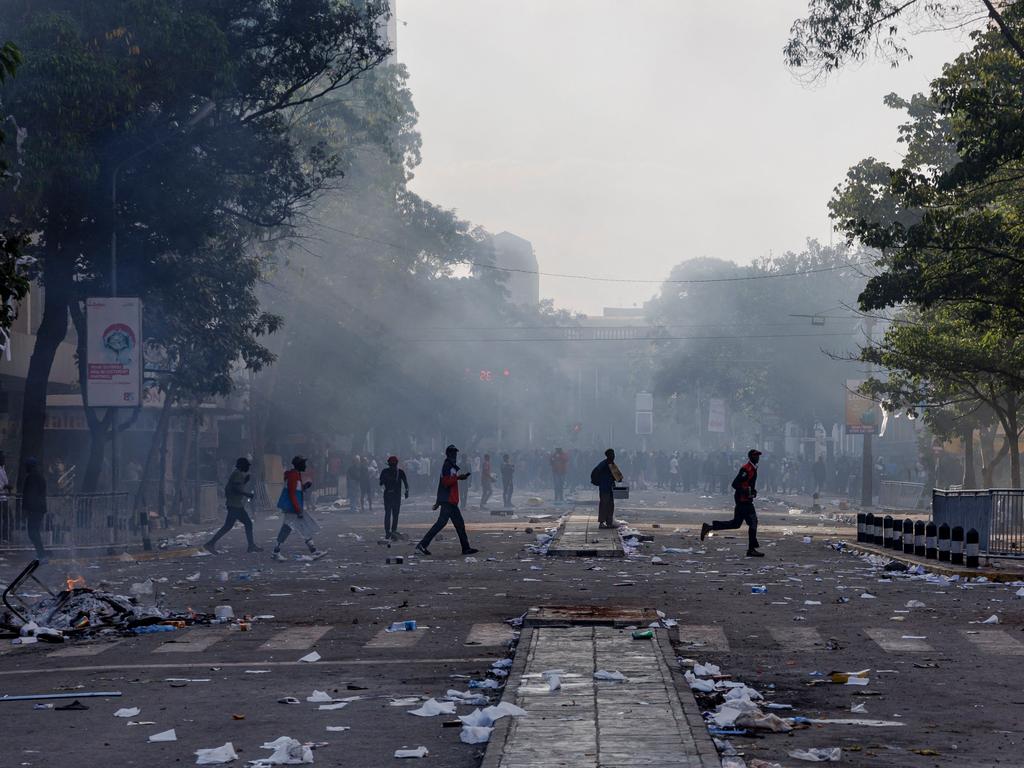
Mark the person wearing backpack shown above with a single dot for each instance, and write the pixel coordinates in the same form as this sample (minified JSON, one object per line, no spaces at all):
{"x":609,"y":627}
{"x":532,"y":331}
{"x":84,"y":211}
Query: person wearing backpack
{"x":604,"y":476}
{"x":235,"y":496}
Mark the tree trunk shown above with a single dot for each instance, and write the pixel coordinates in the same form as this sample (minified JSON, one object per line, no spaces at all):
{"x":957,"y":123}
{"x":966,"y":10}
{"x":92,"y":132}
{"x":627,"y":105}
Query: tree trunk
{"x":1013,"y":438}
{"x":99,"y":436}
{"x":151,"y":454}
{"x":52,"y":331}
{"x":967,"y":437}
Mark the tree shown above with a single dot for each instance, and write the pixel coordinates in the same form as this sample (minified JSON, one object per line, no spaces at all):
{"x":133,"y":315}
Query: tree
{"x":105,"y":91}
{"x":947,"y":224}
{"x":836,"y":32}
{"x":741,"y":343}
{"x":14,"y":275}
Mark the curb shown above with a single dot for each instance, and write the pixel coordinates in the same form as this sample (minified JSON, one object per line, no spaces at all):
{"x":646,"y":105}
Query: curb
{"x":990,"y":572}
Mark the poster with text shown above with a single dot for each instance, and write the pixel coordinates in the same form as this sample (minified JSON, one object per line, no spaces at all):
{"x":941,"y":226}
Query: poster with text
{"x":862,"y":414}
{"x":716,"y":415}
{"x":114,"y":356}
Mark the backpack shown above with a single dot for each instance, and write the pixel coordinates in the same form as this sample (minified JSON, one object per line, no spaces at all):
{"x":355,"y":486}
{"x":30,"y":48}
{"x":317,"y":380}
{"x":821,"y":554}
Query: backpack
{"x":595,"y":477}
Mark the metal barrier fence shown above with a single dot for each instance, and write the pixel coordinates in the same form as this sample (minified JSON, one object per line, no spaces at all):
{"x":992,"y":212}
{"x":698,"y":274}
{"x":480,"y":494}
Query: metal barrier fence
{"x":84,"y":519}
{"x":996,"y":514}
{"x":895,"y":494}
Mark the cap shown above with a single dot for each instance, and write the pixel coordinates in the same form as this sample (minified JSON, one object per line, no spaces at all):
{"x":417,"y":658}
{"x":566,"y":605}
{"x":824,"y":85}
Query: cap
{"x":752,"y":453}
{"x":392,"y":459}
{"x":451,"y":449}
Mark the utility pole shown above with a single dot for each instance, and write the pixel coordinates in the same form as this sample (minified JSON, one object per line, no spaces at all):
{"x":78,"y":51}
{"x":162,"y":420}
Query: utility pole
{"x":867,"y":495}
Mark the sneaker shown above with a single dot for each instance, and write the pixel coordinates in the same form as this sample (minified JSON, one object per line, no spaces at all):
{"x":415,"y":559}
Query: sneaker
{"x":277,"y":556}
{"x":211,"y":549}
{"x":420,"y":549}
{"x":754,"y":553}
{"x":255,"y":548}
{"x":470,"y":551}
{"x":318,"y":553}
{"x":705,"y":529}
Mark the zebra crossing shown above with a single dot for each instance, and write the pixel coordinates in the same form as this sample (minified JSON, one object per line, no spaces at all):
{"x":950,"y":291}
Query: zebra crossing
{"x":300,"y":638}
{"x":710,"y":638}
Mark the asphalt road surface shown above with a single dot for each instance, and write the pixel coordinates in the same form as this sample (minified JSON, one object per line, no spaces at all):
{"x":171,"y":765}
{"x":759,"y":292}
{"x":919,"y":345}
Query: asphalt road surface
{"x":953,"y":684}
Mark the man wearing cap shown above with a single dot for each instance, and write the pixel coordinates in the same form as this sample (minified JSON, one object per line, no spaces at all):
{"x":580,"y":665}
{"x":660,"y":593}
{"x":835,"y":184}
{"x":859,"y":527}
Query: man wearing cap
{"x":392,"y":479}
{"x":745,"y":487}
{"x":448,"y":500}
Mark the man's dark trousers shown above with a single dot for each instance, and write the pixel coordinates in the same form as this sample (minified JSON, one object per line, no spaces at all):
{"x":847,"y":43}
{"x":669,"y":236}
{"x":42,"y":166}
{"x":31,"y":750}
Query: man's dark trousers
{"x":744,"y":513}
{"x":448,"y":512}
{"x":392,"y":506}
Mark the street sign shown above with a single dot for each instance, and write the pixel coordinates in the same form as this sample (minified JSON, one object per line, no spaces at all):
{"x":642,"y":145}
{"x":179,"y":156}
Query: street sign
{"x":114,"y":358}
{"x":644,"y":423}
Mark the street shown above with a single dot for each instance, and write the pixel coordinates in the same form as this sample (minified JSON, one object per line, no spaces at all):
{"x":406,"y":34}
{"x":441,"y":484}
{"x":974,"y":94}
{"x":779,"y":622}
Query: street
{"x":948,"y":681}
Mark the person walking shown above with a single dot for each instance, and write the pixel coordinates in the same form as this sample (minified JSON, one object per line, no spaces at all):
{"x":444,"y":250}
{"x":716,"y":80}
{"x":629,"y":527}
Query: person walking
{"x":673,"y":472}
{"x":365,"y":489}
{"x":294,"y":515}
{"x":5,"y":512}
{"x":352,"y":483}
{"x":605,"y":475}
{"x":559,"y":466}
{"x":745,"y":487}
{"x":508,"y":473}
{"x":819,"y":475}
{"x":486,"y":481}
{"x":392,"y":479}
{"x":448,"y":501}
{"x":33,"y":504}
{"x":235,"y":496}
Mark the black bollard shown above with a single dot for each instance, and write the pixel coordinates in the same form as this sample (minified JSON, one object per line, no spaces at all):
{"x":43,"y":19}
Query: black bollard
{"x":944,"y":543}
{"x":972,"y":548}
{"x":956,"y":546}
{"x":861,"y":526}
{"x":887,"y":531}
{"x":873,"y":525}
{"x":931,"y":545}
{"x":908,"y":536}
{"x":919,"y":540}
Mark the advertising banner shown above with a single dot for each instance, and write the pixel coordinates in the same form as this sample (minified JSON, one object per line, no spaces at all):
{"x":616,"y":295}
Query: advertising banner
{"x":716,"y":415}
{"x":114,"y":356}
{"x":862,"y":414}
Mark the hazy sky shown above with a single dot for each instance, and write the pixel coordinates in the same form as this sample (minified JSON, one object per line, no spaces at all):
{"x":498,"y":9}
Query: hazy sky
{"x":624,"y":137}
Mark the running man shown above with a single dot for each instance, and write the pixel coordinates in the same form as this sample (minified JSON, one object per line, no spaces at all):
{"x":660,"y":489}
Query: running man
{"x":235,"y":496}
{"x":294,"y":515}
{"x":745,"y":487}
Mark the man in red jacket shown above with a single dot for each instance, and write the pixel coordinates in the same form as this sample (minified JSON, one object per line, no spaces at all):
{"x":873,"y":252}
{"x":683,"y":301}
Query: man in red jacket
{"x":745,"y":487}
{"x":448,"y":500}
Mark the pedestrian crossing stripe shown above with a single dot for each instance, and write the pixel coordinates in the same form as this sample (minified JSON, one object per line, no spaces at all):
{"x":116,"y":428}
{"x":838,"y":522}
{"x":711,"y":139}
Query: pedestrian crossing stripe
{"x":897,"y":641}
{"x":77,"y":651}
{"x":489,"y":634}
{"x":385,"y":639}
{"x":995,"y":641}
{"x":296,"y":638}
{"x":708,"y":638}
{"x":193,"y":641}
{"x":798,"y":638}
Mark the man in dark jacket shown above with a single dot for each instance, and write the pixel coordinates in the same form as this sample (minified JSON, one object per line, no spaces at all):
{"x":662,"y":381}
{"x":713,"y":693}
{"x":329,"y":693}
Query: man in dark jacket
{"x":33,"y":504}
{"x":235,"y":496}
{"x":745,"y":487}
{"x":392,"y":479}
{"x":604,"y":476}
{"x":448,"y":501}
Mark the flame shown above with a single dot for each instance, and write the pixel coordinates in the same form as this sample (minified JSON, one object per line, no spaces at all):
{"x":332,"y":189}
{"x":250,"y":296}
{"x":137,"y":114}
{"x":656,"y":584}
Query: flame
{"x":77,"y":581}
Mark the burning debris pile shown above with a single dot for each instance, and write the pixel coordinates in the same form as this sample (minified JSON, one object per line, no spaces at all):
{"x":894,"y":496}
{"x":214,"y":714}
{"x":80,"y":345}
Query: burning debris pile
{"x":78,"y":611}
{"x":82,"y":609}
